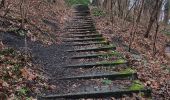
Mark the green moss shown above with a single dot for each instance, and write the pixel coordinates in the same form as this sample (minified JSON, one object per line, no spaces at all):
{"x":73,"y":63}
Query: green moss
{"x":113,"y":53}
{"x":74,"y":2}
{"x":120,"y":61}
{"x":101,"y":38}
{"x":136,"y":85}
{"x":106,"y":81}
{"x":105,"y":41}
{"x":116,"y":53}
{"x":111,"y":45}
{"x":128,"y":70}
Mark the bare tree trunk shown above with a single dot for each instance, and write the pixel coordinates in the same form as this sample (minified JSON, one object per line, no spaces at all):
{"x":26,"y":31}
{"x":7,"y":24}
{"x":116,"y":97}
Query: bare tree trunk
{"x":111,"y":13}
{"x":23,"y":11}
{"x":153,"y":17}
{"x":136,"y":23}
{"x":155,"y":37}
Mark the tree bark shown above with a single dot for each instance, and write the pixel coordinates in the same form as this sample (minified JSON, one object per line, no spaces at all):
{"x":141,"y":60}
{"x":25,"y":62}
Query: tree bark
{"x":154,"y":15}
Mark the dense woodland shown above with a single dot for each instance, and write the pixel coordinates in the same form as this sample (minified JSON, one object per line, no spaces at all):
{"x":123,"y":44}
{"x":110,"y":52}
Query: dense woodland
{"x":142,"y":25}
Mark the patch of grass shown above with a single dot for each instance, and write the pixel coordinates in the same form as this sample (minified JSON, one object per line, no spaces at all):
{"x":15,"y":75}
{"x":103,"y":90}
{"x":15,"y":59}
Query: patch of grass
{"x":98,"y":12}
{"x":74,"y":2}
{"x":136,"y":85}
{"x":23,"y":91}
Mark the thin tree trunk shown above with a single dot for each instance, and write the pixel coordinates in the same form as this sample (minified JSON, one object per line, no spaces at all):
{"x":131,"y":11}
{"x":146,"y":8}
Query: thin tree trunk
{"x":155,"y":37}
{"x":136,"y":25}
{"x":153,"y":17}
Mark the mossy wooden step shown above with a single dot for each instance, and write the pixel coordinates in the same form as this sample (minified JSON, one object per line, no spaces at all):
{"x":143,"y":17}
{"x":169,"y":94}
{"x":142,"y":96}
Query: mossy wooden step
{"x":85,"y":36}
{"x":98,"y":64}
{"x":114,"y":53}
{"x":98,"y":94}
{"x":81,"y":17}
{"x":88,"y":29}
{"x":79,"y":24}
{"x":115,"y":76}
{"x":83,"y":23}
{"x":85,"y":20}
{"x":81,"y":27}
{"x":87,"y":39}
{"x":106,"y":48}
{"x":81,"y":33}
{"x":91,"y":43}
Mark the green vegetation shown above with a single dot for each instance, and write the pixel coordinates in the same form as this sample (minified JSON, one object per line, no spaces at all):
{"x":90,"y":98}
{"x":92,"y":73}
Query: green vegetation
{"x":113,"y":53}
{"x":116,"y":53}
{"x":74,"y":2}
{"x":23,"y":91}
{"x":98,"y":12}
{"x":120,"y":61}
{"x":166,"y":32}
{"x":117,"y":62}
{"x":127,"y":71}
{"x":8,"y":51}
{"x":106,"y":81}
{"x":110,"y":45}
{"x":136,"y":85}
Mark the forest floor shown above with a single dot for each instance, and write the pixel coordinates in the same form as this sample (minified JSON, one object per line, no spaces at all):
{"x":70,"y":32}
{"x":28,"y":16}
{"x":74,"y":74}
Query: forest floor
{"x":22,"y":58}
{"x":26,"y":74}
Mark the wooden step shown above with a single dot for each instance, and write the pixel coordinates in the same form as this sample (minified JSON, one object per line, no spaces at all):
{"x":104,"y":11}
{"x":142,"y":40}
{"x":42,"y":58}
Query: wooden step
{"x":85,"y":20}
{"x":80,"y":28}
{"x":98,"y":94}
{"x":91,"y":43}
{"x":92,"y":29}
{"x":83,"y":40}
{"x":114,"y":53}
{"x":115,"y":76}
{"x":80,"y":25}
{"x":85,"y":36}
{"x":82,"y":32}
{"x":106,"y":48}
{"x":98,"y":64}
